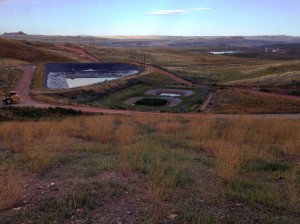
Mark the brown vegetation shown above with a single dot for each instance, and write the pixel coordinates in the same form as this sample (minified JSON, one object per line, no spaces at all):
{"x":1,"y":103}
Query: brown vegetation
{"x":24,"y":52}
{"x":172,"y":155}
{"x":237,"y":101}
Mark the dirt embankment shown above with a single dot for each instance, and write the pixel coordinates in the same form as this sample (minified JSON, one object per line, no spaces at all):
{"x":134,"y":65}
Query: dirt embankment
{"x":169,"y":74}
{"x":24,"y":52}
{"x":78,"y":51}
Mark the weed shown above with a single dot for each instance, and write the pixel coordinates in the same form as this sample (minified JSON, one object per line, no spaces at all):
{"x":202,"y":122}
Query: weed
{"x":190,"y":215}
{"x":11,"y":187}
{"x":207,"y":161}
{"x":125,"y":134}
{"x":253,"y":193}
{"x":263,"y":165}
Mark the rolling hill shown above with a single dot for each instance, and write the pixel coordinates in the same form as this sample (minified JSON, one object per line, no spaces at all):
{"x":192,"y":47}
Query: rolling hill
{"x":22,"y":51}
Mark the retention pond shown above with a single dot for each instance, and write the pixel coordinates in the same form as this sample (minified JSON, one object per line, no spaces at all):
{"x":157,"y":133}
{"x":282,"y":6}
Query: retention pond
{"x":71,"y":75}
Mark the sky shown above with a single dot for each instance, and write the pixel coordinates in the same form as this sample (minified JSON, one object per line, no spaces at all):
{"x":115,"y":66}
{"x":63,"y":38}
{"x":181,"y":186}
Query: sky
{"x":151,"y":17}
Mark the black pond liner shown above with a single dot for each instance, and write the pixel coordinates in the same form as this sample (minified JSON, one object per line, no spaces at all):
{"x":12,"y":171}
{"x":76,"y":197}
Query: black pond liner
{"x":88,"y":70}
{"x":157,"y":102}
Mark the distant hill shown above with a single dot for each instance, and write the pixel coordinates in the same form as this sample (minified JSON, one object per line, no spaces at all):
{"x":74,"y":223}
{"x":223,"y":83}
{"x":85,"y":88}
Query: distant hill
{"x":21,"y":51}
{"x":17,"y":33}
{"x":161,"y":41}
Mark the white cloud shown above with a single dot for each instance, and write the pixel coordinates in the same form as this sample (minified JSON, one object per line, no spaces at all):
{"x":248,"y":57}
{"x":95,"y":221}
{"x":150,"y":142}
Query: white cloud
{"x":167,"y":12}
{"x":174,"y":12}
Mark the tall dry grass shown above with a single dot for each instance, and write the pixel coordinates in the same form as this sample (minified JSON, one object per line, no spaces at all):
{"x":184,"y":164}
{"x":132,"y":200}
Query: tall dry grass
{"x":11,"y":187}
{"x":167,"y":128}
{"x":158,"y":153}
{"x":97,"y":128}
{"x":234,"y":142}
{"x":125,"y":133}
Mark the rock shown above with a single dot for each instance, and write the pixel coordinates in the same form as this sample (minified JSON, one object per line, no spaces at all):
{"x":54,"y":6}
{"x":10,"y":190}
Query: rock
{"x":53,"y":187}
{"x":172,"y":216}
{"x":17,"y":209}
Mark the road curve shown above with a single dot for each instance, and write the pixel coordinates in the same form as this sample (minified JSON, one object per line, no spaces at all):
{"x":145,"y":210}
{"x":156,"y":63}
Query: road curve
{"x":23,"y":89}
{"x":170,"y":75}
{"x":78,"y":51}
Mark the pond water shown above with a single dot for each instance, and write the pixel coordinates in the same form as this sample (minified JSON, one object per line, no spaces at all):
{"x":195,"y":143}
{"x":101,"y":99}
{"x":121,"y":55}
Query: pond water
{"x":223,"y":52}
{"x":170,"y":94}
{"x":72,"y":83}
{"x":71,"y":75}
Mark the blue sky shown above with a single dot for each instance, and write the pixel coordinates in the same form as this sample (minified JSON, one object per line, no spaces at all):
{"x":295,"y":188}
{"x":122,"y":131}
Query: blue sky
{"x":151,"y":17}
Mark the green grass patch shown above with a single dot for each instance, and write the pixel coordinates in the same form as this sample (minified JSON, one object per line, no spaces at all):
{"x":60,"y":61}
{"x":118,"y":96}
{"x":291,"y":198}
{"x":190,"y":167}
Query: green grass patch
{"x":9,"y":78}
{"x":86,"y":196}
{"x":251,"y":192}
{"x":163,"y":167}
{"x":263,"y":165}
{"x":192,"y":215}
{"x":92,"y":166}
{"x":207,"y":161}
{"x":31,"y":113}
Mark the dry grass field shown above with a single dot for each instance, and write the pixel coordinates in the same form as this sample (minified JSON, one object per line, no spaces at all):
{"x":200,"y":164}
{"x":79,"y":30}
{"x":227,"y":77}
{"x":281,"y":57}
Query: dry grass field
{"x":239,"y":101}
{"x":25,"y":52}
{"x":187,"y":63}
{"x":150,"y":169}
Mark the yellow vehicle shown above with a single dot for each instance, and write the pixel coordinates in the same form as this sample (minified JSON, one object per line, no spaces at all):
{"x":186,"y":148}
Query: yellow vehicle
{"x":11,"y":97}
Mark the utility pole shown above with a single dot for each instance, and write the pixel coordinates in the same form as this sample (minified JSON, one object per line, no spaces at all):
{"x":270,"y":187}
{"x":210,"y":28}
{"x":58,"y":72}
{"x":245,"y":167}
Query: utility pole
{"x":204,"y":60}
{"x":92,"y":43}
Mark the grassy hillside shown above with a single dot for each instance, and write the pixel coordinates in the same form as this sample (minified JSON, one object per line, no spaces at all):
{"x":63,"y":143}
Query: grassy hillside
{"x":24,"y":52}
{"x":150,"y":169}
{"x":291,"y":78}
{"x":235,"y":101}
{"x":187,"y":63}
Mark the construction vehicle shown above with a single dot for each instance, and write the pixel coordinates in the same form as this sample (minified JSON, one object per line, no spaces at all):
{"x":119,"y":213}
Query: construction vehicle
{"x":10,"y":97}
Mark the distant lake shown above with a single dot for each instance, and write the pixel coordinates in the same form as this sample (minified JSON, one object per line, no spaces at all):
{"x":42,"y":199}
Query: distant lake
{"x":223,"y":52}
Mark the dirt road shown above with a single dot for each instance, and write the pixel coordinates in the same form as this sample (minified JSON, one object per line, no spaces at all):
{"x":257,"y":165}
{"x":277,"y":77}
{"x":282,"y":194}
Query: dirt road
{"x":78,"y":51}
{"x":170,"y":75}
{"x":23,"y":87}
{"x":205,"y":105}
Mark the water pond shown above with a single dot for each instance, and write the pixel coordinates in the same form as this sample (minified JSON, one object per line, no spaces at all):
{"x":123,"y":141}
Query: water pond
{"x":71,"y":75}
